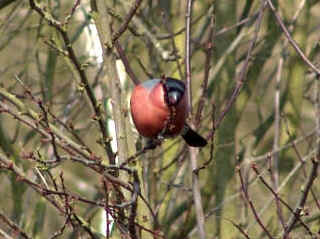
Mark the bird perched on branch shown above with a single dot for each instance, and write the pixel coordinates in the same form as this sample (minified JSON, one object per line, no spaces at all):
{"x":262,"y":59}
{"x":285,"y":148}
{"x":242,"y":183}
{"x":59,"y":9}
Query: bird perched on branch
{"x":159,"y":110}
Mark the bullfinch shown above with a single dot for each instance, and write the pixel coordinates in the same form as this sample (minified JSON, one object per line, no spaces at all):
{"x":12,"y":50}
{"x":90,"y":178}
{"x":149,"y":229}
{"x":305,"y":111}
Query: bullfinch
{"x":159,"y":110}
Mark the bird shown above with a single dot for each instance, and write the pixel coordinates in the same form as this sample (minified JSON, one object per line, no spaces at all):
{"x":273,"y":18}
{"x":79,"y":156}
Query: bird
{"x":159,"y":110}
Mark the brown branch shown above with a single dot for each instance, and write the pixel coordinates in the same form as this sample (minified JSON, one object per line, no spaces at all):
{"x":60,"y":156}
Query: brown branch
{"x":73,"y":10}
{"x":126,"y":63}
{"x":45,"y":118}
{"x":83,"y":77}
{"x":18,"y":231}
{"x":245,"y":234}
{"x":296,"y":214}
{"x":175,"y":50}
{"x":212,"y":146}
{"x":188,"y":54}
{"x":193,"y":151}
{"x":278,"y":199}
{"x":11,"y":166}
{"x":47,"y":194}
{"x":61,"y":230}
{"x":204,"y":86}
{"x":291,"y":40}
{"x":238,"y":24}
{"x":126,"y":22}
{"x":248,"y":199}
{"x":149,"y":146}
{"x":240,"y":80}
{"x":134,"y":205}
{"x":106,"y":196}
{"x":179,"y":156}
{"x":183,"y":29}
{"x":70,"y":148}
{"x":71,"y":130}
{"x":296,"y":150}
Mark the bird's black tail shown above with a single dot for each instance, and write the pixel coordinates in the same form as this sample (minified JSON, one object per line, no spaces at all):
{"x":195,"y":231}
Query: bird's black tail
{"x":192,"y":138}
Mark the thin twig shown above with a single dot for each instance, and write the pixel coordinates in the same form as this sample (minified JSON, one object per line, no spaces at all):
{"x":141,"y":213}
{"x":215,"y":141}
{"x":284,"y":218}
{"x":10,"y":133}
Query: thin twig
{"x":45,"y":117}
{"x":240,"y":80}
{"x":168,"y":25}
{"x":164,"y":53}
{"x":82,"y":74}
{"x":296,"y":150}
{"x":278,"y":199}
{"x":242,"y":231}
{"x":106,"y":196}
{"x":247,"y":197}
{"x":193,"y":152}
{"x":71,"y":148}
{"x":207,"y":64}
{"x":126,"y":63}
{"x":61,"y":230}
{"x":134,"y":206}
{"x":212,"y":146}
{"x":299,"y":208}
{"x":7,"y":164}
{"x":18,"y":231}
{"x":150,"y":146}
{"x":73,"y":10}
{"x":126,"y":22}
{"x":282,"y":148}
{"x":187,"y":54}
{"x":291,"y":40}
{"x":314,"y":171}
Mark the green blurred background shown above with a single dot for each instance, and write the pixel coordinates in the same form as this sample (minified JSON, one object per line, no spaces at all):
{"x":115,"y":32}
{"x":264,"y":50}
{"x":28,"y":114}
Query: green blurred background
{"x":276,"y":111}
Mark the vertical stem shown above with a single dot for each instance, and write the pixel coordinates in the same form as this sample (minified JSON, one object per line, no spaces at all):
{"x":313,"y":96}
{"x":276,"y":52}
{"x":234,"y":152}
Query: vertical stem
{"x":103,"y":23}
{"x":188,"y":52}
{"x":317,"y":116}
{"x":275,"y":170}
{"x":277,"y":123}
{"x":193,"y":151}
{"x":196,"y":193}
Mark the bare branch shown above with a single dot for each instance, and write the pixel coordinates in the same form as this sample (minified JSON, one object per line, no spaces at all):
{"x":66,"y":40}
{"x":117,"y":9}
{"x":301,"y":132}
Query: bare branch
{"x":291,"y":40}
{"x":13,"y":226}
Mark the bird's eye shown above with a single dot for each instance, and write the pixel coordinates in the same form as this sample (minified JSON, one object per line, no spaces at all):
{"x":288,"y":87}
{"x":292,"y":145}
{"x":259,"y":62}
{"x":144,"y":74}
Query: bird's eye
{"x":174,"y":97}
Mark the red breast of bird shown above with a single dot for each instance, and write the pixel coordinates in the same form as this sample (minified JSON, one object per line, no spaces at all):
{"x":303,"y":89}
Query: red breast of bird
{"x":152,"y":114}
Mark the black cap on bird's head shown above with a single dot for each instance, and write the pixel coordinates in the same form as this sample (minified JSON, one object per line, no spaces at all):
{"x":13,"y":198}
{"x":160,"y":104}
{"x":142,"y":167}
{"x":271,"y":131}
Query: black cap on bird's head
{"x":174,"y":90}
